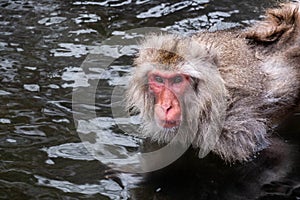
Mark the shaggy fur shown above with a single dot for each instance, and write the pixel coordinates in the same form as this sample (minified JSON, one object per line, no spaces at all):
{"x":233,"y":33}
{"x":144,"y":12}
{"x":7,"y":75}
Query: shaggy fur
{"x":244,"y":83}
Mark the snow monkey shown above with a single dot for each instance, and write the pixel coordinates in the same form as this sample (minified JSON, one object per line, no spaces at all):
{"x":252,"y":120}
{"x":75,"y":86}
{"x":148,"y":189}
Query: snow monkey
{"x":224,"y":90}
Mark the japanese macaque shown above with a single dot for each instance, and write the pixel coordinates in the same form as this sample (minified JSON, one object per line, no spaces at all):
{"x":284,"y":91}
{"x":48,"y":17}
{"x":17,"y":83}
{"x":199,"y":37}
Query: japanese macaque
{"x":223,"y":91}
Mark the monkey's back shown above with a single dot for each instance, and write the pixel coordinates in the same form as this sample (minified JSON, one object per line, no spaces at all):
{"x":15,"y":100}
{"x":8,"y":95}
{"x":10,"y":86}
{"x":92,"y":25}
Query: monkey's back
{"x":255,"y":76}
{"x":237,"y":63}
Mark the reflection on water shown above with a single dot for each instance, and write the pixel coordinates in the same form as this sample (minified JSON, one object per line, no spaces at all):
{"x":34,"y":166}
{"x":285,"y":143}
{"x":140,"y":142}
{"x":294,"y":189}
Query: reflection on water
{"x":43,"y":45}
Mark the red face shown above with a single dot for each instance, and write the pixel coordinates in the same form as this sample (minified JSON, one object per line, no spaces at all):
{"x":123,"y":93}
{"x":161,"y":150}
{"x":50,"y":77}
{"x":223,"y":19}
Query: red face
{"x":167,"y":88}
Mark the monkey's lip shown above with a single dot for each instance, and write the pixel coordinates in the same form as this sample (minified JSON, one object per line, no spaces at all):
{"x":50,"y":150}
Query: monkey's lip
{"x":169,"y":123}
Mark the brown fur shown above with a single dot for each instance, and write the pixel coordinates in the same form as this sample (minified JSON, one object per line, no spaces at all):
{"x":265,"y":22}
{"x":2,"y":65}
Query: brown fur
{"x":279,"y":25}
{"x":244,"y":83}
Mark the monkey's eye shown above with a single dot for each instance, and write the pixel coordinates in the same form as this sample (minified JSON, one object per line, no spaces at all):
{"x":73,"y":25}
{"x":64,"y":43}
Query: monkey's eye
{"x":177,"y":79}
{"x":158,"y":79}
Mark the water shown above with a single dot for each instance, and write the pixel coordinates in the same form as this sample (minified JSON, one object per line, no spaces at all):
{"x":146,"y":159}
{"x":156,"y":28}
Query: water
{"x":49,"y":51}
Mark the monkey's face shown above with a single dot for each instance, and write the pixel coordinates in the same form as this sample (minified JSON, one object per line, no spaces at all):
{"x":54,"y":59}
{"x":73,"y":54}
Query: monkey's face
{"x":167,"y":88}
{"x":178,"y":91}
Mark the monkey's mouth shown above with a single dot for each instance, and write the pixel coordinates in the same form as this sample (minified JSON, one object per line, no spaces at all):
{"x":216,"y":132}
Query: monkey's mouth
{"x":169,"y":123}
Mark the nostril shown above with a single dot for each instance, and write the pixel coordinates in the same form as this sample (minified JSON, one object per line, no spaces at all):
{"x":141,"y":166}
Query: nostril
{"x":166,"y":108}
{"x":169,"y":108}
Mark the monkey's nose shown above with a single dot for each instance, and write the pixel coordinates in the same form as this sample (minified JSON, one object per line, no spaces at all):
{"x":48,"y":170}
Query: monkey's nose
{"x":166,"y":100}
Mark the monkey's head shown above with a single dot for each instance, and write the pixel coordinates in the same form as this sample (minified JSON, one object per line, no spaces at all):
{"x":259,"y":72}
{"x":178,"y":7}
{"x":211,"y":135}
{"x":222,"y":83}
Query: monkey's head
{"x":178,"y":91}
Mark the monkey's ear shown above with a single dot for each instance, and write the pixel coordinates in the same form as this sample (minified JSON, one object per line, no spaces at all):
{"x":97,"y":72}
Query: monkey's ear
{"x":278,"y":22}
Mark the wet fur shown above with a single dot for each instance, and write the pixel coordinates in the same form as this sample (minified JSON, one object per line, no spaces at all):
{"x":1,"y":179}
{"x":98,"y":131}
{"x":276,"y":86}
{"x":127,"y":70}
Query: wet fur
{"x":244,"y":83}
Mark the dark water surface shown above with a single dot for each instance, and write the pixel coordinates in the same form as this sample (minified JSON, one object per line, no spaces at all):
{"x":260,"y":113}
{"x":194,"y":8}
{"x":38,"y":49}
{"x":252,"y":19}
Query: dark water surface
{"x":43,"y":46}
